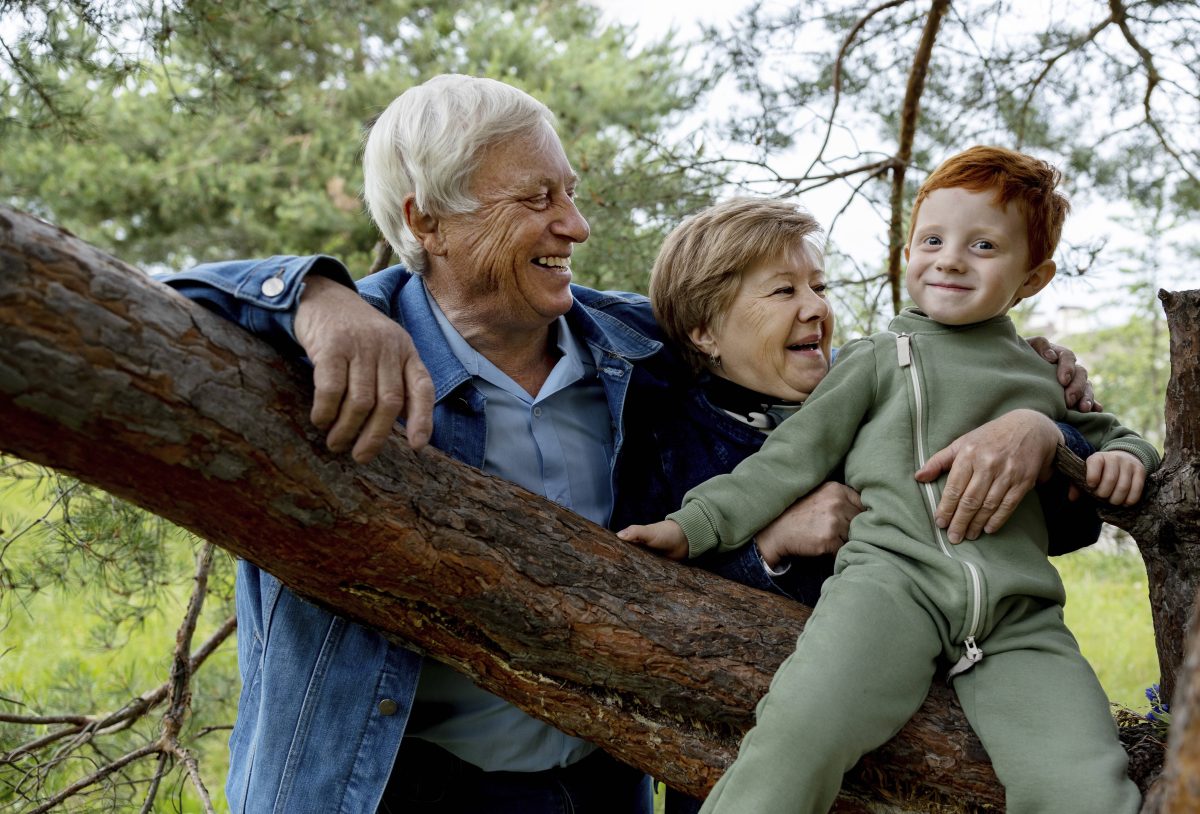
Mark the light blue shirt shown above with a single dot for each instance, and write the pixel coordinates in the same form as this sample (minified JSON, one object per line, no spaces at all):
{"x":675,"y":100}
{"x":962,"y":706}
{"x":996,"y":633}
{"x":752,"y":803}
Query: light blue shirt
{"x":558,"y":443}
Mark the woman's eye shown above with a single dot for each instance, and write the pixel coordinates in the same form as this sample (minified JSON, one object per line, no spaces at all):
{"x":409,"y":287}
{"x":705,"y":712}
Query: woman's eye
{"x":819,"y":289}
{"x":784,"y":290}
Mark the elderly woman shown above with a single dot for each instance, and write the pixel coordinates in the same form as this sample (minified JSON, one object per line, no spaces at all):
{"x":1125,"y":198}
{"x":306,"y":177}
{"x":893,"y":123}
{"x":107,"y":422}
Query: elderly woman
{"x":740,"y":290}
{"x":492,"y":355}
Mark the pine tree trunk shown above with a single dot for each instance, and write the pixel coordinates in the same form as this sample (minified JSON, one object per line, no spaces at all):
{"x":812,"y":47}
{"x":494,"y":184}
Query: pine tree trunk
{"x":113,"y":378}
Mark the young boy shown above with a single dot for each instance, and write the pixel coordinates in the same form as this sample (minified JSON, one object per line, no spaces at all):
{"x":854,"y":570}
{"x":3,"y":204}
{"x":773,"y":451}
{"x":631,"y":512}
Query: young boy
{"x":903,"y":599}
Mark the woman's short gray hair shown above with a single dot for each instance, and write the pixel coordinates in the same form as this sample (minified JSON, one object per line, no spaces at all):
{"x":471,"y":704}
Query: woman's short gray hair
{"x":700,"y":265}
{"x":427,"y":143}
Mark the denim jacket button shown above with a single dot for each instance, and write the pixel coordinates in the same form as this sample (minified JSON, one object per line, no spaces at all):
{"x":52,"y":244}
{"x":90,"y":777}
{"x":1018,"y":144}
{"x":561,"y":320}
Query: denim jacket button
{"x":272,"y":287}
{"x":387,"y":707}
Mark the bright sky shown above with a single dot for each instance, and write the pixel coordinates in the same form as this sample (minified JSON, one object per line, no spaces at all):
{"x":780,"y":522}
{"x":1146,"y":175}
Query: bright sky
{"x":1094,"y":293}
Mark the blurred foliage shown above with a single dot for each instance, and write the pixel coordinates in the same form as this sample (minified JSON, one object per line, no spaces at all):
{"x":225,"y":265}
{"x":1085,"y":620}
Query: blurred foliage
{"x":92,"y":590}
{"x":1107,"y":91}
{"x":216,"y":130}
{"x":1131,"y":362}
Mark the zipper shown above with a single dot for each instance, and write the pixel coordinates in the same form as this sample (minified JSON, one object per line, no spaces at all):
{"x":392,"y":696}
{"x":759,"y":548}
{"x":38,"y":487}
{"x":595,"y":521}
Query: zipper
{"x":904,"y":357}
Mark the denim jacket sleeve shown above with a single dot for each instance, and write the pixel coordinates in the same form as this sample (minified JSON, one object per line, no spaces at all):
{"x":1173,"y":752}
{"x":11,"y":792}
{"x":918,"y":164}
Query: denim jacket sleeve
{"x":1072,"y":525}
{"x":259,"y":295}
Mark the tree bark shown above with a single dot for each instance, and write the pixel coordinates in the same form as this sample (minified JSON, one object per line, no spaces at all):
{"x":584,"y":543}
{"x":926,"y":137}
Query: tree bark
{"x":111,"y":377}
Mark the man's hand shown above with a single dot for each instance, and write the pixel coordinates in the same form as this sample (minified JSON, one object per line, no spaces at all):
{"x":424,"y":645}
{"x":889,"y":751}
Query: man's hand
{"x":1071,"y":375}
{"x":365,"y":371}
{"x":665,"y":538}
{"x":818,"y":523}
{"x":1116,"y":476}
{"x":991,"y":469}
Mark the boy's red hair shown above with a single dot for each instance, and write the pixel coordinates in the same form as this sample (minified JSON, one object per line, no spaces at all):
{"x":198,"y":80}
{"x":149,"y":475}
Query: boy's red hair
{"x":1029,"y":182}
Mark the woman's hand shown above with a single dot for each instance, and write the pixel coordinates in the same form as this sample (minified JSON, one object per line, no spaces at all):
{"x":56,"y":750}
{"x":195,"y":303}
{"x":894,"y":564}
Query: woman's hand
{"x":366,"y":371}
{"x":665,"y":538}
{"x":991,"y":469}
{"x":818,"y":523}
{"x":1071,"y":375}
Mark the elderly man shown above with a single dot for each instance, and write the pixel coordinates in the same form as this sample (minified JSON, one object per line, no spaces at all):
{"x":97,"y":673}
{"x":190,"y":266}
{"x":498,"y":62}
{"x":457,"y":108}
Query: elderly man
{"x":524,"y":376}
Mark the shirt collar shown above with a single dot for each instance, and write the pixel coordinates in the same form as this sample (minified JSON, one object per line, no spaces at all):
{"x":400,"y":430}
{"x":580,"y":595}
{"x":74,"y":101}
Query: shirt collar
{"x":571,"y":366}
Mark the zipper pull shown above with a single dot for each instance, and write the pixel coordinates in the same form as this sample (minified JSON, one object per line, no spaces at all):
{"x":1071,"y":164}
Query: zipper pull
{"x":968,"y":660}
{"x":903,"y":350}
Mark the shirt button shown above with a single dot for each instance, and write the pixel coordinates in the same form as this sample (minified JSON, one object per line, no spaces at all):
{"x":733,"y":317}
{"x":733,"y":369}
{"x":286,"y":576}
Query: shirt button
{"x":537,"y":412}
{"x":387,"y":707}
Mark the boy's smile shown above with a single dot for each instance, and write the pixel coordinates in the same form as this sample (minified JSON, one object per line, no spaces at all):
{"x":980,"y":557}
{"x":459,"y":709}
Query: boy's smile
{"x":969,"y":257}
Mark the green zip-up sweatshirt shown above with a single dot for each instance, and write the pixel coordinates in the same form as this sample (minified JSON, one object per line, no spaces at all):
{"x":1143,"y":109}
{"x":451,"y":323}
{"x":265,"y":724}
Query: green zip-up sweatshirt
{"x":888,"y":403}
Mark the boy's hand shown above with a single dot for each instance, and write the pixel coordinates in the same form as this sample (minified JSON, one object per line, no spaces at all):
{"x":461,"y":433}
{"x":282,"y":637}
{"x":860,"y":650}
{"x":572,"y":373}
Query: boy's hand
{"x":1116,"y":476}
{"x":665,"y":538}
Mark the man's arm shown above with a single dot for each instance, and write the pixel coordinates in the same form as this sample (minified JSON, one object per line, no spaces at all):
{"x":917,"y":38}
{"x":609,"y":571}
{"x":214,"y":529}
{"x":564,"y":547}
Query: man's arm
{"x":366,"y":371}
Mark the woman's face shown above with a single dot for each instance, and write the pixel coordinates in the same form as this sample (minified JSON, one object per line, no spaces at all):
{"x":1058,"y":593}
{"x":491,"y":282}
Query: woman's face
{"x":775,"y":336}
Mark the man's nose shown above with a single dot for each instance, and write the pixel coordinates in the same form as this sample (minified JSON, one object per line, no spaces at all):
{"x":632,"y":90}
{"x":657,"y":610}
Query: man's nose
{"x":572,"y":225}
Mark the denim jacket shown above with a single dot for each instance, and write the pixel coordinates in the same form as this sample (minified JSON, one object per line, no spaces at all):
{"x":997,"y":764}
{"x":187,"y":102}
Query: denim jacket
{"x":324,"y":702}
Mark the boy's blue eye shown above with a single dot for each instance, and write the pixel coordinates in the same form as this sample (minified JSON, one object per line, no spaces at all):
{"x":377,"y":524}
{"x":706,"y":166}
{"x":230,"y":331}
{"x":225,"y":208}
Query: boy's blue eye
{"x":932,"y":240}
{"x":985,"y":245}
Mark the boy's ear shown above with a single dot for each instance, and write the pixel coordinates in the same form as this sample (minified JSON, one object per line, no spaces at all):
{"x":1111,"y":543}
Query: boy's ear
{"x":1037,"y":278}
{"x":905,"y":252}
{"x":703,"y":339}
{"x":425,"y":227}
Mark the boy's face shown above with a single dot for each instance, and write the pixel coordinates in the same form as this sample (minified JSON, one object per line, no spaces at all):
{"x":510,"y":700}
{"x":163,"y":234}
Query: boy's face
{"x":969,"y":257}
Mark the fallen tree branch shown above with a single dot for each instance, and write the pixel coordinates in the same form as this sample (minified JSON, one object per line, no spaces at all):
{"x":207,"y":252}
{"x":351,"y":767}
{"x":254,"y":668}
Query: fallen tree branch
{"x":111,"y":377}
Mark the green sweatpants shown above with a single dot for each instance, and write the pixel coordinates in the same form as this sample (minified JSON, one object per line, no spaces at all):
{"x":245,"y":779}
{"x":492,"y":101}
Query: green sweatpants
{"x":863,"y":666}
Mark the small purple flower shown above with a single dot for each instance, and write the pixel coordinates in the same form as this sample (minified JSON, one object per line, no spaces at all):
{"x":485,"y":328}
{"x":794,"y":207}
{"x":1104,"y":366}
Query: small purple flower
{"x":1160,"y":710}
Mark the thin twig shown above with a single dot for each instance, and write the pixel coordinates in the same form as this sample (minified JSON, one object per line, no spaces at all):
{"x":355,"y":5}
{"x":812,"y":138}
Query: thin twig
{"x":844,"y":52}
{"x":96,"y":777}
{"x":155,"y":781}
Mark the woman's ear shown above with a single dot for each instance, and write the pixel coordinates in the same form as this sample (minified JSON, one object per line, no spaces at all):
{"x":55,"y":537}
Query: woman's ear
{"x":1037,"y":279}
{"x":425,"y":227}
{"x":704,"y":339}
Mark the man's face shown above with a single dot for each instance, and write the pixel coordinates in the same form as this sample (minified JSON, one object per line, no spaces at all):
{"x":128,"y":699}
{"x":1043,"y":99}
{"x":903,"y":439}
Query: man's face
{"x":969,"y":257}
{"x":509,"y":260}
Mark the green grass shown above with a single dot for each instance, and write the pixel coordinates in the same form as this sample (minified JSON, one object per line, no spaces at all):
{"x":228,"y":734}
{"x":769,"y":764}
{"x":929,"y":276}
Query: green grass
{"x":1108,"y":610}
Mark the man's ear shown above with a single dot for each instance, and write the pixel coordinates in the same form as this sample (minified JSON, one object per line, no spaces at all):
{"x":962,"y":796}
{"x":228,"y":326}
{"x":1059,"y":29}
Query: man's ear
{"x":425,"y":227}
{"x":1037,"y":278}
{"x":703,"y":339}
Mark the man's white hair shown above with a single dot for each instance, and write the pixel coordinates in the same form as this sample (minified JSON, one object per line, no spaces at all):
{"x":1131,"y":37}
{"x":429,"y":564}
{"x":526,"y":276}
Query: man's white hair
{"x":427,"y":143}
